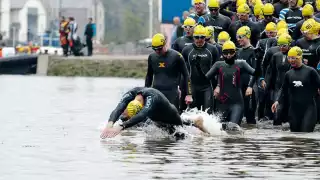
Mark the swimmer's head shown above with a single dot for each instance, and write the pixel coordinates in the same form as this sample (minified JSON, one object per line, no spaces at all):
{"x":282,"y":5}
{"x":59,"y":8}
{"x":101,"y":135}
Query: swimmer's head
{"x":295,"y":57}
{"x":229,"y":51}
{"x":133,"y":108}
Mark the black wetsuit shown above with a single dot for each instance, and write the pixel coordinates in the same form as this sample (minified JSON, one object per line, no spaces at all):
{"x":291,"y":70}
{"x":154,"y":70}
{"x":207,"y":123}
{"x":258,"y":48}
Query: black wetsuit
{"x":202,"y":88}
{"x":263,"y":45}
{"x":254,"y":27}
{"x":293,"y":16}
{"x":182,"y":42}
{"x":156,"y":108}
{"x":164,"y":74}
{"x":265,"y":97}
{"x":178,"y":45}
{"x":299,"y":88}
{"x":279,"y":65}
{"x":250,"y":104}
{"x":314,"y":51}
{"x":230,"y":96}
{"x":313,"y":61}
{"x":278,"y":7}
{"x":304,"y":44}
{"x":219,"y":22}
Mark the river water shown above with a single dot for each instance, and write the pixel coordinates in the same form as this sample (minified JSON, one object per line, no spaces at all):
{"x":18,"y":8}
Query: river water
{"x":50,"y":129}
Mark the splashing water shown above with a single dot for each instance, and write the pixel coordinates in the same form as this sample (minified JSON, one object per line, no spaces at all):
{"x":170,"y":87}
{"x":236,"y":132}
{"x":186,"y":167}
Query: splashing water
{"x":211,"y":122}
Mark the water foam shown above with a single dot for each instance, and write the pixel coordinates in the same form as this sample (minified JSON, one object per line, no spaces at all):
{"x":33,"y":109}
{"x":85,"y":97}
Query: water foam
{"x":211,"y":122}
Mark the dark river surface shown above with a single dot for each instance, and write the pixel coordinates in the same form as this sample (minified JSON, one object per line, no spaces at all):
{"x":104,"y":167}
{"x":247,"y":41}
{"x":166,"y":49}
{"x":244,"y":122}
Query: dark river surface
{"x":50,"y":128}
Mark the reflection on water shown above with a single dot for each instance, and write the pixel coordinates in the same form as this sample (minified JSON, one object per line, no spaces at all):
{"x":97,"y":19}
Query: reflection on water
{"x":49,"y":130}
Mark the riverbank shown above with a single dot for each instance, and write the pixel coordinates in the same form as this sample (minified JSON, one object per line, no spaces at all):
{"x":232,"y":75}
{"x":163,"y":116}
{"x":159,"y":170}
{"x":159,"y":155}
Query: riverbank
{"x":95,"y":66}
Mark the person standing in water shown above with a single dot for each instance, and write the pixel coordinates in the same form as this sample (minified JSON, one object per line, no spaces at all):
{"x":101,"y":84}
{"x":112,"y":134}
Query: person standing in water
{"x":229,"y":87}
{"x":299,"y":89}
{"x":165,"y":67}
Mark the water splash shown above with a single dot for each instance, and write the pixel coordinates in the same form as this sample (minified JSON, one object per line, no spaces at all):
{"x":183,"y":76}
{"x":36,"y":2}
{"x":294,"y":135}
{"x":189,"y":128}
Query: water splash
{"x":211,"y":122}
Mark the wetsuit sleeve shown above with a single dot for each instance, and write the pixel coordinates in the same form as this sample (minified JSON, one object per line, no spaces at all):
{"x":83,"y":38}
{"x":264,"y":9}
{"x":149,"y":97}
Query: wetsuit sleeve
{"x":252,"y":79}
{"x":185,"y":73}
{"x":265,"y":62}
{"x":175,"y":45}
{"x":271,"y":69}
{"x":185,"y":57}
{"x":126,"y":98}
{"x":213,"y":71}
{"x":283,"y":93}
{"x":315,"y":78}
{"x":142,"y":115}
{"x":223,"y":10}
{"x":149,"y":76}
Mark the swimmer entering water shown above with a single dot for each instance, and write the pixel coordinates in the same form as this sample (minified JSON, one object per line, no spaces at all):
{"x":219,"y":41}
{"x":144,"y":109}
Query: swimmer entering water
{"x":140,"y":104}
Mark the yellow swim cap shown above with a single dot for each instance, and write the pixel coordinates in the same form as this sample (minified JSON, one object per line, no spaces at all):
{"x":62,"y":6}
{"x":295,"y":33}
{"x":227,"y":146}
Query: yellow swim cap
{"x":300,"y":3}
{"x":271,"y":26}
{"x":199,"y":31}
{"x":244,"y":31}
{"x":282,"y":31}
{"x":158,"y":40}
{"x":318,"y":5}
{"x":209,"y":32}
{"x":214,"y":4}
{"x":240,"y":2}
{"x":198,"y":1}
{"x":243,"y":8}
{"x":282,"y":24}
{"x":228,"y":45}
{"x":189,"y":22}
{"x":310,"y":26}
{"x":284,"y":39}
{"x":295,"y":52}
{"x":133,"y":108}
{"x":268,"y":9}
{"x":223,"y":36}
{"x":257,"y":10}
{"x":307,"y":10}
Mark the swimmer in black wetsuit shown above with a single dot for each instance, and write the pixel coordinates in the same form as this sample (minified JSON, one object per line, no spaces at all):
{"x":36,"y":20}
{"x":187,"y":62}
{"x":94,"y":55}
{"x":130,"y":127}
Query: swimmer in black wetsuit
{"x":279,"y":65}
{"x":178,"y":45}
{"x":206,"y":54}
{"x":165,"y":67}
{"x":299,"y":88}
{"x":229,"y":76}
{"x":247,"y":53}
{"x":140,"y":104}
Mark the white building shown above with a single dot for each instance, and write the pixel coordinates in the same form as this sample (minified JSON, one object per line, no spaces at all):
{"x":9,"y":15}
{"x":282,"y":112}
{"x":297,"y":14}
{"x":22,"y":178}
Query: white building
{"x":28,"y":19}
{"x":24,"y":20}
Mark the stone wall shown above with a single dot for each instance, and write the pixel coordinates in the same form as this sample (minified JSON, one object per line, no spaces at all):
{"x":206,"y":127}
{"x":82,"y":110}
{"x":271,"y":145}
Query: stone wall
{"x":96,"y":66}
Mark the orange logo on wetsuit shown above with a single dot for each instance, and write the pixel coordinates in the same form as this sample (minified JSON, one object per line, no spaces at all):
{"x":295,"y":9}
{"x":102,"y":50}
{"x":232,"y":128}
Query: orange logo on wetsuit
{"x":162,"y":65}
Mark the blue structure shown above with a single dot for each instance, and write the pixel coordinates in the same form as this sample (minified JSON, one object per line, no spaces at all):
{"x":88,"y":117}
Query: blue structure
{"x":52,"y":39}
{"x":172,"y":8}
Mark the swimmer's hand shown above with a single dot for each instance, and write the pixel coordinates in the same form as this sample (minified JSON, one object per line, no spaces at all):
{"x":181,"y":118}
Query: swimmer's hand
{"x":111,"y":132}
{"x":216,"y":91}
{"x":274,"y":106}
{"x":188,"y":99}
{"x":249,"y":91}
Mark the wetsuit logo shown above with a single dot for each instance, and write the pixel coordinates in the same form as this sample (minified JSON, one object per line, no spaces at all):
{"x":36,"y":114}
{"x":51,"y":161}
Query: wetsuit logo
{"x":162,"y":65}
{"x":297,"y":84}
{"x":148,"y":102}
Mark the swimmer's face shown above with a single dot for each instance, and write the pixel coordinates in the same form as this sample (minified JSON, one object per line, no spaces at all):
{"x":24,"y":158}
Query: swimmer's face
{"x":188,"y":30}
{"x":284,"y":48}
{"x":295,"y":61}
{"x":271,"y":34}
{"x":293,"y":3}
{"x":199,"y":7}
{"x":199,"y":40}
{"x":242,"y":40}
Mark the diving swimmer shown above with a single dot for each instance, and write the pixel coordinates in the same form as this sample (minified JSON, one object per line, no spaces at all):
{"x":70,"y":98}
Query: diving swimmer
{"x":140,"y":104}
